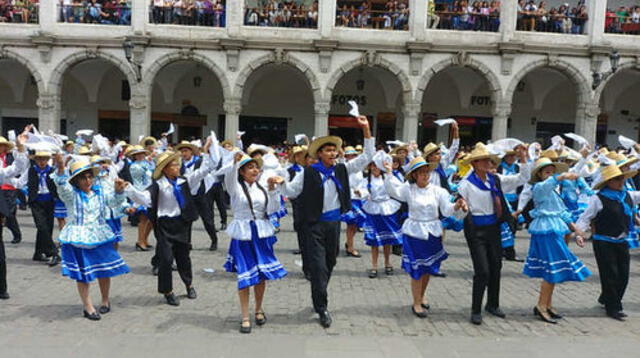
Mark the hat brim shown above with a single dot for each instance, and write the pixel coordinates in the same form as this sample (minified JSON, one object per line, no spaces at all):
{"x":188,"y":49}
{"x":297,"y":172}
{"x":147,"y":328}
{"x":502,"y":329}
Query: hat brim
{"x":155,"y":141}
{"x":137,"y":151}
{"x":319,"y":142}
{"x":470,"y":159}
{"x":560,"y":168}
{"x":426,"y":154}
{"x":432,"y":166}
{"x":185,"y":146}
{"x":8,"y":144}
{"x":247,"y":161}
{"x":399,"y":148}
{"x":157,"y":173}
{"x":93,"y":169}
{"x":626,"y":175}
{"x":292,"y":158}
{"x":628,"y":161}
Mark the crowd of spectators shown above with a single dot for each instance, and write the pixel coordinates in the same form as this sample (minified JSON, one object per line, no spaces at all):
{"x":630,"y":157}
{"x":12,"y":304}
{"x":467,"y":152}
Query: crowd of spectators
{"x":107,"y":12}
{"x":188,"y":12}
{"x":624,"y":20}
{"x":564,"y":19}
{"x":19,"y":11}
{"x":282,"y":13}
{"x":464,"y":15}
{"x":392,"y":15}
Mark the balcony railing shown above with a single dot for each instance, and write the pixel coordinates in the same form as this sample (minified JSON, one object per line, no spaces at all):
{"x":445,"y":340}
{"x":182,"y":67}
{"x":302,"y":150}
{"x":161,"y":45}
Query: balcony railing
{"x":458,"y":16}
{"x":624,"y":21}
{"x":19,"y":11}
{"x":283,"y":15}
{"x":93,"y":12}
{"x":210,"y":13}
{"x":564,"y":19}
{"x":392,"y":15}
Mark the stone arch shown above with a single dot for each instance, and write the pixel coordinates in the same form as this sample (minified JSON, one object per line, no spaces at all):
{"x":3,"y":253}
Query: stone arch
{"x":482,"y":69}
{"x":150,"y":74}
{"x":597,"y":94}
{"x":377,"y":61}
{"x":12,"y":55}
{"x":574,"y":74}
{"x":57,"y":76}
{"x":278,"y":58}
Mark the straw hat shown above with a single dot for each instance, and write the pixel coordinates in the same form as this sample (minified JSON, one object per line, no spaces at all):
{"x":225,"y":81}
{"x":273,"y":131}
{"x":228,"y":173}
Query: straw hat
{"x":545,"y":162}
{"x":255,"y":149}
{"x":319,"y":142}
{"x":185,"y":145}
{"x":149,"y":138}
{"x":42,"y":154}
{"x":359,"y":148}
{"x":429,"y":148}
{"x":627,"y":161}
{"x":479,"y":152}
{"x":418,"y":162}
{"x":4,"y":141}
{"x":549,"y":153}
{"x":611,"y":172}
{"x":84,"y":150}
{"x":349,"y":150}
{"x":96,"y":159}
{"x":296,"y":150}
{"x":135,"y":149}
{"x":80,"y":166}
{"x":246,"y":159}
{"x":225,"y":142}
{"x":162,"y":161}
{"x":395,"y":150}
{"x":68,"y":143}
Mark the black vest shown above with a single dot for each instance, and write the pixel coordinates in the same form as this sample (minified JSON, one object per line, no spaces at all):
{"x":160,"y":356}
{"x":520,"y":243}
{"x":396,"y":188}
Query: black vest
{"x":125,"y":173}
{"x":312,"y":194}
{"x":189,"y":213}
{"x":33,"y":184}
{"x":611,"y":220}
{"x":444,"y":182}
{"x":196,"y":166}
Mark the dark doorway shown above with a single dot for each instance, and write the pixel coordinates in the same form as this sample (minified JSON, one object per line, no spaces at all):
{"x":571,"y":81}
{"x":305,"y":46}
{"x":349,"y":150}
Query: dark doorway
{"x":263,"y":130}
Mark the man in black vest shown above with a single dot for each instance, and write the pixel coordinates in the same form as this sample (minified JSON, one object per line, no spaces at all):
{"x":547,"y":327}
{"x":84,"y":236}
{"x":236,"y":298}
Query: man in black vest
{"x":191,"y":163}
{"x":172,"y":210}
{"x":42,"y":195}
{"x":324,"y":195}
{"x":8,"y":190}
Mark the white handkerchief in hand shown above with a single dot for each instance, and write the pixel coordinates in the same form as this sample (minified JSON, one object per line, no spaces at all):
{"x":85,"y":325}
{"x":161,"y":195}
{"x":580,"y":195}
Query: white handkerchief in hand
{"x":299,"y":138}
{"x":240,"y":133}
{"x":354,"y":109}
{"x":627,"y":143}
{"x":443,"y":122}
{"x":577,"y":138}
{"x":11,"y":135}
{"x":172,"y":129}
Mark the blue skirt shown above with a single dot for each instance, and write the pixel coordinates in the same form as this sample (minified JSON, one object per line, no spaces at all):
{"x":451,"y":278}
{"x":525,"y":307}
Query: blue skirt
{"x":253,"y":260}
{"x":59,"y":210}
{"x":422,"y":257}
{"x":508,"y":239}
{"x":549,"y":258}
{"x":86,"y":265}
{"x":355,"y":216}
{"x":451,"y":223}
{"x":116,"y":227}
{"x":632,"y":239}
{"x":380,"y":230}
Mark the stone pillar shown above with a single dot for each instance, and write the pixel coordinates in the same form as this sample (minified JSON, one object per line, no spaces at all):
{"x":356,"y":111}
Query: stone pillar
{"x":418,"y":19}
{"x":235,"y":18}
{"x":139,"y":116}
{"x":232,"y":109}
{"x":49,"y":112}
{"x":595,"y":24}
{"x":48,"y":15}
{"x":326,"y":17}
{"x":139,"y":15}
{"x":587,"y":121}
{"x":321,"y":123}
{"x":411,"y":114}
{"x":501,"y":114}
{"x":508,"y":17}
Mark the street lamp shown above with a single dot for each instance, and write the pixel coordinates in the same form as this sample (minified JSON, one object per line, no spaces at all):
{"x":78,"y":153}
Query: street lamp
{"x":598,"y":78}
{"x":128,"y":47}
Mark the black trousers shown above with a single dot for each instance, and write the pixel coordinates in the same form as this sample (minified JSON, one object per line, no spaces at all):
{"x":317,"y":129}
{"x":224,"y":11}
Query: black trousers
{"x":486,"y":254}
{"x":42,"y":212}
{"x":298,"y":227}
{"x":10,"y":221}
{"x":216,"y":197}
{"x":321,"y":246}
{"x":205,"y":209}
{"x":613,"y":265}
{"x":3,"y":265}
{"x":173,"y":237}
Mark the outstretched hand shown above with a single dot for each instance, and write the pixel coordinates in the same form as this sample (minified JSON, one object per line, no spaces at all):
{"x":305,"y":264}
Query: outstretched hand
{"x":273,"y":181}
{"x":120,"y":185}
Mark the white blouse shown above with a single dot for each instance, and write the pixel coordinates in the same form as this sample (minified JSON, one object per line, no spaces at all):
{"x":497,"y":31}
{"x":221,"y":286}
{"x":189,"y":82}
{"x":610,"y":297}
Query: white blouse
{"x":425,"y":207}
{"x":379,"y":201}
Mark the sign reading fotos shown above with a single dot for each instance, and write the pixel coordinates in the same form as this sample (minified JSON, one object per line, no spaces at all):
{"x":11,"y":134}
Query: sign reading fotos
{"x":343,"y":99}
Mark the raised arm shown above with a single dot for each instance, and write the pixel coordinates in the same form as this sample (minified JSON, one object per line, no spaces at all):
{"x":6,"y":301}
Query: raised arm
{"x":394,"y":187}
{"x":453,"y":149}
{"x":593,"y":208}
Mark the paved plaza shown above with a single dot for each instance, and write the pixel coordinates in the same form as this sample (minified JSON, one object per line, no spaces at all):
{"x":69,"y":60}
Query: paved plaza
{"x":372,"y":317}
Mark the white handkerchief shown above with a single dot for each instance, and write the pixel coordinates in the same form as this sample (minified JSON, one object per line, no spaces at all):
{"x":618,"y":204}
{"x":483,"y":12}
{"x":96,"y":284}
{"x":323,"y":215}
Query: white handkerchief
{"x":299,"y":138}
{"x":626,"y":142}
{"x":11,"y":135}
{"x":240,"y":133}
{"x":442,"y":122}
{"x":354,"y":109}
{"x":577,"y":138}
{"x":85,"y":132}
{"x":172,"y":129}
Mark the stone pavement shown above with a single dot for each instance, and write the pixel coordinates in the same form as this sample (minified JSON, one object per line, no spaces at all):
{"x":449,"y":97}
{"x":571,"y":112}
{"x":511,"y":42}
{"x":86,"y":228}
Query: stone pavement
{"x":372,"y":317}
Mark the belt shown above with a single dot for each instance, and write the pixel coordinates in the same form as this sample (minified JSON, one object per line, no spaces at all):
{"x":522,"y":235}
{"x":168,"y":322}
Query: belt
{"x":484,"y":220}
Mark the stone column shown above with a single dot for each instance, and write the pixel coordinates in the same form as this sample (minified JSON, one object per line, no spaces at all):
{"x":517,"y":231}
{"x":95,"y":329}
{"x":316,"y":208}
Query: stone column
{"x":232,"y":108}
{"x":418,"y":19}
{"x":326,"y":17}
{"x":321,"y":123}
{"x":411,"y":114}
{"x":587,"y":121}
{"x":48,"y":15}
{"x":595,"y":24}
{"x":235,"y":18}
{"x":508,"y":17}
{"x":49,"y":112}
{"x":501,"y":114}
{"x":139,"y":15}
{"x":139,"y":116}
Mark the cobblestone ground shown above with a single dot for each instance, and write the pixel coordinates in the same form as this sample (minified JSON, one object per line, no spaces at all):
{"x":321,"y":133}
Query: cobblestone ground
{"x":44,"y":304}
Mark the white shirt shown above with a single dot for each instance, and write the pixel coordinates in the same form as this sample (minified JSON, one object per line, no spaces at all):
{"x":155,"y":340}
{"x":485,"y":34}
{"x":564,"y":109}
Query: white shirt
{"x":330,"y":200}
{"x":481,"y":202}
{"x":595,"y":206}
{"x":379,"y":201}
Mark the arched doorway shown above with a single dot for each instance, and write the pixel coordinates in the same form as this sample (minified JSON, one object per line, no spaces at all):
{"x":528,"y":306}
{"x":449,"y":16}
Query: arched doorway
{"x":18,"y":96}
{"x":620,"y":108}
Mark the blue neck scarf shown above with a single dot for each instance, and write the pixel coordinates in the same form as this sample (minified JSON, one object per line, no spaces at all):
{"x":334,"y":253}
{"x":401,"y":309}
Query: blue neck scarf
{"x":328,"y":174}
{"x":42,"y":174}
{"x":630,"y":185}
{"x":441,"y":173}
{"x":620,"y":197}
{"x":398,"y":175}
{"x":508,"y":169}
{"x":296,"y":168}
{"x":191,"y":163}
{"x":177,"y":192}
{"x":474,"y":179}
{"x":85,"y":199}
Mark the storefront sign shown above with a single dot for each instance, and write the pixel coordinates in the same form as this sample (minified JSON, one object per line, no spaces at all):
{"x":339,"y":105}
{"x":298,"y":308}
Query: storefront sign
{"x":344,"y":99}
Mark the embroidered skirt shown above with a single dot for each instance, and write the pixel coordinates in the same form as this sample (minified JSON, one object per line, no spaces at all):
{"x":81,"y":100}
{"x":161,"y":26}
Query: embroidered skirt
{"x":380,"y":230}
{"x":356,"y":215}
{"x":86,"y":265}
{"x":116,"y":227}
{"x":422,"y":257}
{"x":253,"y":260}
{"x":508,"y":238}
{"x":59,"y":210}
{"x":549,"y":258}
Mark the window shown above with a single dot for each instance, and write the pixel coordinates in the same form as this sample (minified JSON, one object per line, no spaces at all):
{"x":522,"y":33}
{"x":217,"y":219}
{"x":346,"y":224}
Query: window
{"x":373,"y":14}
{"x":281,"y":13}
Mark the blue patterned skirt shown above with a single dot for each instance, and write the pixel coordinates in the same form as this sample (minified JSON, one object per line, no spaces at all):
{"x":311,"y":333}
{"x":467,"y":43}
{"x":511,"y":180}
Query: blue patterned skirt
{"x":632,"y":239}
{"x":86,"y":265}
{"x":451,"y":223}
{"x":508,"y":239}
{"x":59,"y":210}
{"x":275,"y":217}
{"x":253,"y":260}
{"x":422,"y":257}
{"x":116,"y":227}
{"x":549,"y":258}
{"x":380,"y":230}
{"x":356,"y":215}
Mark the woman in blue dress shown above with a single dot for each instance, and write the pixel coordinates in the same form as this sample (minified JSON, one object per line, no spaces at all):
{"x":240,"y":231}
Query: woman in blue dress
{"x":354,"y":218}
{"x":549,"y":257}
{"x":141,"y":170}
{"x":252,"y":235}
{"x":87,"y":242}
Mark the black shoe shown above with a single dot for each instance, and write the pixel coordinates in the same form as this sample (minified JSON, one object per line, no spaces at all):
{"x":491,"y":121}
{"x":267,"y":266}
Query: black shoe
{"x":245,"y":329}
{"x":154,"y":270}
{"x":297,"y":252}
{"x":149,"y":247}
{"x":554,"y":314}
{"x":621,"y":313}
{"x":261,"y":321}
{"x":55,"y":259}
{"x":539,"y":314}
{"x":16,"y":240}
{"x":105,"y":309}
{"x":325,"y":319}
{"x":601,"y":300}
{"x":388,"y":270}
{"x":514,"y":259}
{"x":172,"y":299}
{"x":213,"y":246}
{"x":191,"y":293}
{"x":617,"y":316}
{"x":422,"y":314}
{"x":373,"y":273}
{"x":439,"y":274}
{"x":4,"y":295}
{"x":223,"y":226}
{"x":396,"y":250}
{"x":40,"y":258}
{"x":426,"y":306}
{"x":22,"y":207}
{"x":140,"y":248}
{"x":92,"y":316}
{"x":476,"y":318}
{"x":496,"y":312}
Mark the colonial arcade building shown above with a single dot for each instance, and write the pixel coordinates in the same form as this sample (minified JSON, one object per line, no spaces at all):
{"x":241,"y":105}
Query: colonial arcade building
{"x":277,"y":81}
